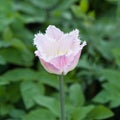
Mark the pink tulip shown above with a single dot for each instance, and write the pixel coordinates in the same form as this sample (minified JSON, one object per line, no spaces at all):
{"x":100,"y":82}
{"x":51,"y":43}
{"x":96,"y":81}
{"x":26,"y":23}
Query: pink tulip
{"x":58,"y":52}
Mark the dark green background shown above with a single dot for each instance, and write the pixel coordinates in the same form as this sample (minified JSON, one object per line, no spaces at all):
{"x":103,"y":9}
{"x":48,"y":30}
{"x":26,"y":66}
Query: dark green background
{"x":28,"y":92}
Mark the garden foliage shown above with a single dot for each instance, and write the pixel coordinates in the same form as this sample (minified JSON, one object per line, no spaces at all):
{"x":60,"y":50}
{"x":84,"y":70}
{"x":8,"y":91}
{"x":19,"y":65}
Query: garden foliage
{"x":92,"y":90}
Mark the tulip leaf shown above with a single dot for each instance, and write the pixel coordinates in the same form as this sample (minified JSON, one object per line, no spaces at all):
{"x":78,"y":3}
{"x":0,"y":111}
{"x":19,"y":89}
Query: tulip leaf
{"x":116,"y":54}
{"x":30,"y":90}
{"x":15,"y":56}
{"x":2,"y":61}
{"x":99,"y":113}
{"x":39,"y":114}
{"x":5,"y":109}
{"x":111,"y":75}
{"x":17,"y":113}
{"x":44,"y":3}
{"x":80,"y":113}
{"x":76,"y":95}
{"x":18,"y":75}
{"x":84,"y":5}
{"x":50,"y":103}
{"x":52,"y":80}
{"x":64,"y":4}
{"x":29,"y":10}
{"x":112,"y":99}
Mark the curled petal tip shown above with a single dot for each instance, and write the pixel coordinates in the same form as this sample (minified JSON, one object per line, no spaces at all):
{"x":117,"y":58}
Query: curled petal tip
{"x":36,"y":53}
{"x":83,"y":44}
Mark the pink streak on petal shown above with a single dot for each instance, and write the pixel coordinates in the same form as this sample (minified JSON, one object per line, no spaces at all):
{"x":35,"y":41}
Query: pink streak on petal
{"x":47,"y":65}
{"x":74,"y":59}
{"x":59,"y":61}
{"x":54,"y":32}
{"x":72,"y":64}
{"x":50,"y":67}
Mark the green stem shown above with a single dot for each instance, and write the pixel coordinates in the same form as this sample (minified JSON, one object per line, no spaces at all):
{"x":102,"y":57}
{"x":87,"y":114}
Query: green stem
{"x":61,"y":80}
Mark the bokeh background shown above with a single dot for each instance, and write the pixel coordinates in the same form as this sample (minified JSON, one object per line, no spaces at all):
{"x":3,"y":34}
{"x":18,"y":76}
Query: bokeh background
{"x":92,"y":90}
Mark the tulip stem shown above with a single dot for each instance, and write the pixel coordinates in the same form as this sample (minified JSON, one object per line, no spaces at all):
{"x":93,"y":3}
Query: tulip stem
{"x":62,"y":101}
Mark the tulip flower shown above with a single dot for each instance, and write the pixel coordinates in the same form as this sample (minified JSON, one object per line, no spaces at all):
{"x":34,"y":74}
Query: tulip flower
{"x":59,"y":53}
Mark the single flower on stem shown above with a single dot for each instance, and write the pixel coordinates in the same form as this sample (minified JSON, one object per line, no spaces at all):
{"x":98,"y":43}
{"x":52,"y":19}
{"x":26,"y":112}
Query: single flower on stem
{"x":59,"y":53}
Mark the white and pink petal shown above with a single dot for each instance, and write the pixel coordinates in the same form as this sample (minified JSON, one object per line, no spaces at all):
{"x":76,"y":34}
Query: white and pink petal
{"x":54,"y":32}
{"x":72,"y":64}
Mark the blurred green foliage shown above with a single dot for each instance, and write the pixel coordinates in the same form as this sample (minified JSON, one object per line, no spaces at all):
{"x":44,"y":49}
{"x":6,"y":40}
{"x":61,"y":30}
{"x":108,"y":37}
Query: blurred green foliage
{"x":27,"y":92}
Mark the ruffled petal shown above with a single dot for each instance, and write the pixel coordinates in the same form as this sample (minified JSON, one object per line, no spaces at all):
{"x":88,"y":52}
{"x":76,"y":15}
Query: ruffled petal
{"x":40,"y":41}
{"x":74,"y":33}
{"x":46,"y":45}
{"x":69,"y":42}
{"x":74,"y":61}
{"x":54,"y":32}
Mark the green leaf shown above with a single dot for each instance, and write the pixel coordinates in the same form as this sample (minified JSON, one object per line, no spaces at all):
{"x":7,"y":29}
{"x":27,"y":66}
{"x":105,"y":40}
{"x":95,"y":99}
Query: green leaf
{"x":39,"y":114}
{"x":91,"y":15}
{"x":5,"y":22}
{"x":17,"y":113}
{"x":116,"y":53}
{"x":14,"y":93}
{"x":101,"y":97}
{"x":84,"y":63}
{"x":18,"y":75}
{"x":25,"y":36}
{"x":2,"y":61}
{"x":113,"y":91}
{"x":18,"y":44}
{"x":28,"y":19}
{"x":77,"y":11}
{"x":84,"y":5}
{"x":65,"y":4}
{"x":5,"y":108}
{"x":26,"y":74}
{"x":104,"y":48}
{"x":49,"y":79}
{"x":76,"y":95}
{"x":6,"y":15}
{"x":111,"y":75}
{"x":15,"y":56}
{"x":29,"y":91}
{"x":7,"y":34}
{"x":2,"y":82}
{"x":99,"y":113}
{"x":44,"y":3}
{"x":4,"y":44}
{"x":80,"y":113}
{"x":29,"y":10}
{"x":50,"y":103}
